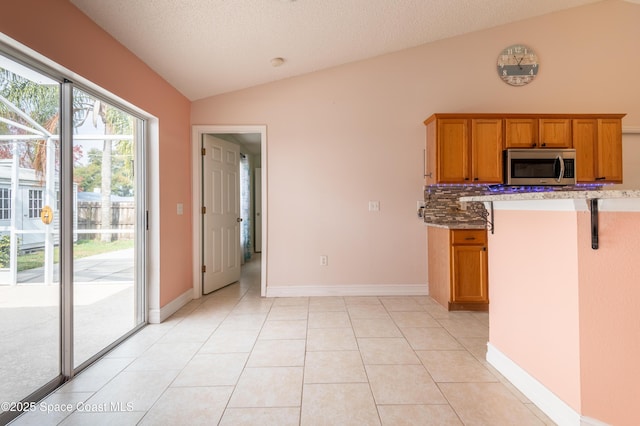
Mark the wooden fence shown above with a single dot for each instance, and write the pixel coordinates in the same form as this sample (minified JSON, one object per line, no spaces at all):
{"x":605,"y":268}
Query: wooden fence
{"x":123,"y":216}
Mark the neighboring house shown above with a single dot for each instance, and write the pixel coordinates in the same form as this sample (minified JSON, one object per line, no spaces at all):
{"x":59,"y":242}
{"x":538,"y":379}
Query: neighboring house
{"x":30,"y":200}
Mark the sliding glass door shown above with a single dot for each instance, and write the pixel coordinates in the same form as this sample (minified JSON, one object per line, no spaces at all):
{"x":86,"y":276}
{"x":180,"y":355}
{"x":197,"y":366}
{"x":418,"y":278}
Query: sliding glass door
{"x":72,"y":229}
{"x":106,"y":292}
{"x":30,"y":310}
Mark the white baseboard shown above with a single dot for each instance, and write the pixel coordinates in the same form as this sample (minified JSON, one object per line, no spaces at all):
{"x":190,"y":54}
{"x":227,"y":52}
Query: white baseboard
{"x":156,"y":316}
{"x":588,"y":421}
{"x":349,"y":290}
{"x":555,"y":408}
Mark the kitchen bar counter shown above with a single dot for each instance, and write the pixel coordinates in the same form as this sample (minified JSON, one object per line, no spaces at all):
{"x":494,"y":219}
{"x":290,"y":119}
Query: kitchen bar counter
{"x":458,"y":225}
{"x":627,"y":200}
{"x":557,"y":195}
{"x":565,"y":314}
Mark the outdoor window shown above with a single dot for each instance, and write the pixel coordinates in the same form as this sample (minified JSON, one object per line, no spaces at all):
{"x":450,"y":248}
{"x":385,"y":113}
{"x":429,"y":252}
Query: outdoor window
{"x":35,"y":203}
{"x":5,"y":203}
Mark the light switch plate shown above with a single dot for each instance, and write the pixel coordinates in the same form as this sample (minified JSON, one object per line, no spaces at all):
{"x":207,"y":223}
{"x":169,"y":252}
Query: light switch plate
{"x":374,"y":206}
{"x":180,"y":208}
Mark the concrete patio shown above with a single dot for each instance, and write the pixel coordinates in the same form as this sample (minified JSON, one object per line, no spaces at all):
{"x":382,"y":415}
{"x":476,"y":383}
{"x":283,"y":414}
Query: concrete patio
{"x":30,"y":319}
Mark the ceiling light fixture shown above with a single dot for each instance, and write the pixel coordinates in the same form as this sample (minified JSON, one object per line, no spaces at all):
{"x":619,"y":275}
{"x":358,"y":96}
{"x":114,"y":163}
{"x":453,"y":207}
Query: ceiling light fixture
{"x":276,"y":62}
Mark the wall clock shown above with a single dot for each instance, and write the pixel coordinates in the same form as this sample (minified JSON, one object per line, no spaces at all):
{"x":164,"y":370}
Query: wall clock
{"x":518,"y":65}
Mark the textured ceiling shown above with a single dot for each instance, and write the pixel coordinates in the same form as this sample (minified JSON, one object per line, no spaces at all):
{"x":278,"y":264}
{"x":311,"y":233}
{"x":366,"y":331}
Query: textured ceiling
{"x":208,"y":47}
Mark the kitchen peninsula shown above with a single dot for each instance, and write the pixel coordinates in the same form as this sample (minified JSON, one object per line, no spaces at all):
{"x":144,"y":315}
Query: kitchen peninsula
{"x":468,"y":154}
{"x":565,"y":316}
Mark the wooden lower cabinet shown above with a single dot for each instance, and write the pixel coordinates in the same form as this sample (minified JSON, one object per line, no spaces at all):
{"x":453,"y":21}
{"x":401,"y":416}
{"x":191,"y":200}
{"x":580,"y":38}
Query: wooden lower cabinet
{"x":458,"y":268}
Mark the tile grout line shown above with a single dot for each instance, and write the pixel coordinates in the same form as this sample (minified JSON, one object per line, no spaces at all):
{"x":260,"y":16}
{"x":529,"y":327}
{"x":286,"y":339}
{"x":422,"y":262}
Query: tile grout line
{"x":235,"y":387}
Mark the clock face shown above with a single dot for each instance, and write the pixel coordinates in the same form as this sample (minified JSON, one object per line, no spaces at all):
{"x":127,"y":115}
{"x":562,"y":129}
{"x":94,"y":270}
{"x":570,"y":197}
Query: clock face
{"x":518,"y":65}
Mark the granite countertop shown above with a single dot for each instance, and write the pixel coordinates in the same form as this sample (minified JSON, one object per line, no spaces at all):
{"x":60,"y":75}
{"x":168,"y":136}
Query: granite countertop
{"x":456,"y":225}
{"x":557,"y":195}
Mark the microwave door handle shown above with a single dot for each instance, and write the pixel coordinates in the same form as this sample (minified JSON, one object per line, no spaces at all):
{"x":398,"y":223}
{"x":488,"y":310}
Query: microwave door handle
{"x":561,"y":160}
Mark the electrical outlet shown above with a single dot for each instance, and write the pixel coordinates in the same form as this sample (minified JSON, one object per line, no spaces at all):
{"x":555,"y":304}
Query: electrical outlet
{"x":324,"y":260}
{"x":374,"y":206}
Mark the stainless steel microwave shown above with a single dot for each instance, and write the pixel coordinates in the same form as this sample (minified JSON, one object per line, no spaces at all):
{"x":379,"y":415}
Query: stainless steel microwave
{"x":540,"y":166}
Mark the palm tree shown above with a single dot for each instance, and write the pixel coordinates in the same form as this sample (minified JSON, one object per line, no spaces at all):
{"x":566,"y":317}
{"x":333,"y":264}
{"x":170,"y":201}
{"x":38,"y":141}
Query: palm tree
{"x":41,"y":103}
{"x":116,"y":122}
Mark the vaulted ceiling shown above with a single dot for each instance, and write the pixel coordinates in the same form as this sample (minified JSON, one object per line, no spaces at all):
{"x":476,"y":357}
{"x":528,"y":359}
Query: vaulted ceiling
{"x":208,"y":47}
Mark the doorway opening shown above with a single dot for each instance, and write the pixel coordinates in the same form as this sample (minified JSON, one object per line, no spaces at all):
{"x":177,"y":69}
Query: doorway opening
{"x":250,"y":142}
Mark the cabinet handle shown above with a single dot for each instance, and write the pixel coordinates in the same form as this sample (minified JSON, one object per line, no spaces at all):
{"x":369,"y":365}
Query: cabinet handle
{"x":484,"y":249}
{"x":469,"y":238}
{"x":424,"y":162}
{"x":533,"y":145}
{"x":476,"y":179}
{"x":601,"y":178}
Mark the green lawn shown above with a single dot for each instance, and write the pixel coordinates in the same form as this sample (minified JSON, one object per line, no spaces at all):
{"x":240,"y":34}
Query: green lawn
{"x":82,"y":248}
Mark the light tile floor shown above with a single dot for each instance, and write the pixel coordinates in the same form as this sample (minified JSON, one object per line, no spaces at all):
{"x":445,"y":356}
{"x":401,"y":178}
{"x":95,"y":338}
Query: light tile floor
{"x":234,"y":358}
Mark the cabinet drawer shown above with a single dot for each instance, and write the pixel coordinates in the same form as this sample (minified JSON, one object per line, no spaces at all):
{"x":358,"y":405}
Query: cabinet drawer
{"x":468,"y":236}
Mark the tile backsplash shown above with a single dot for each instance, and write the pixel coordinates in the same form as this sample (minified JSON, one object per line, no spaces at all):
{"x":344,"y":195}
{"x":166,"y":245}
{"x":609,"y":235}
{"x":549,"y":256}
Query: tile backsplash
{"x":443,"y":208}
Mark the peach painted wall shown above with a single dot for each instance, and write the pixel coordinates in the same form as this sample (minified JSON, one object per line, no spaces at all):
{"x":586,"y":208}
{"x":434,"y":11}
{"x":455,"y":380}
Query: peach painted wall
{"x":534,"y":297}
{"x":59,"y":31}
{"x":610,"y":318}
{"x":340,"y":137}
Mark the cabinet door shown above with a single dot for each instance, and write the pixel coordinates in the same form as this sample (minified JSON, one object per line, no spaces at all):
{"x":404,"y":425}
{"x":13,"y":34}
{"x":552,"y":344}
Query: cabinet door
{"x":453,"y":150}
{"x":555,"y":133}
{"x":430,"y":155}
{"x":609,"y":151}
{"x":486,"y":150}
{"x":469,"y":274}
{"x":520,"y":133}
{"x":585,"y":141}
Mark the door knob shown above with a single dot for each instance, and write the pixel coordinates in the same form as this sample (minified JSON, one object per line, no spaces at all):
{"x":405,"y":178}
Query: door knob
{"x":239,"y":219}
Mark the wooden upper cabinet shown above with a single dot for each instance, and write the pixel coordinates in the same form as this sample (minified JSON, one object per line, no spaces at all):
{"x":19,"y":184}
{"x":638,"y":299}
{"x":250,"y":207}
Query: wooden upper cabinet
{"x":555,"y":133}
{"x":598,"y":145}
{"x":452,"y":150}
{"x":585,"y":142}
{"x":609,"y":151}
{"x":461,"y":150}
{"x":520,"y":133}
{"x":537,"y":133}
{"x":467,"y":148}
{"x":486,"y":150}
{"x":430,"y":155}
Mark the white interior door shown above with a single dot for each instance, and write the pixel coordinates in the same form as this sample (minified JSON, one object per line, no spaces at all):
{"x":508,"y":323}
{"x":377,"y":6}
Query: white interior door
{"x":257,"y":191}
{"x":221,"y":223}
